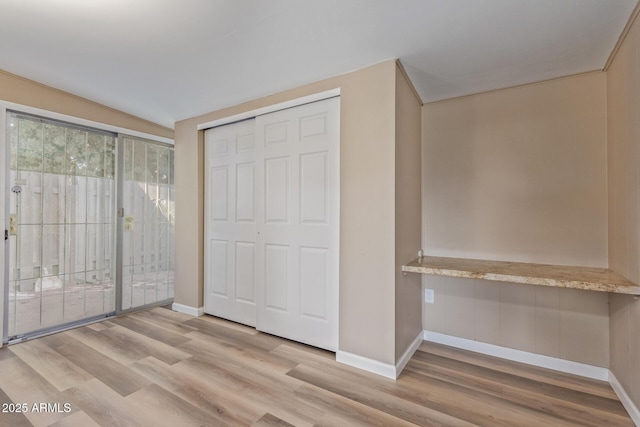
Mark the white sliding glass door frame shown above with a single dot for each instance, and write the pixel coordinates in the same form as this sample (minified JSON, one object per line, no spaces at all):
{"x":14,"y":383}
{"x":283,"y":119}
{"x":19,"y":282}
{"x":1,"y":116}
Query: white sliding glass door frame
{"x":145,"y":224}
{"x":5,"y":157}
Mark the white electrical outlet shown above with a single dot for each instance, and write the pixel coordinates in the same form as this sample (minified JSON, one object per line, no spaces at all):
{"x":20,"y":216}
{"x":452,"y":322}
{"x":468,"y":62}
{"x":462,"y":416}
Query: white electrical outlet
{"x":429,"y":296}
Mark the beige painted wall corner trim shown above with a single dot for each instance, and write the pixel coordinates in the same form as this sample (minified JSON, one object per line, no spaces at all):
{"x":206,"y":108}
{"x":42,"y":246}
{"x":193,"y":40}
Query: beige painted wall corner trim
{"x":554,"y":363}
{"x":406,"y":77}
{"x":623,"y":36}
{"x":626,"y":401}
{"x":191,"y":311}
{"x":504,"y":89}
{"x":374,"y":366}
{"x":408,"y":354}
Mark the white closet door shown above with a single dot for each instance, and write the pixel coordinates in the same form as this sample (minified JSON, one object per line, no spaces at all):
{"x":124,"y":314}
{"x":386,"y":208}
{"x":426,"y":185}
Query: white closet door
{"x":298,"y":223}
{"x":230,"y":215}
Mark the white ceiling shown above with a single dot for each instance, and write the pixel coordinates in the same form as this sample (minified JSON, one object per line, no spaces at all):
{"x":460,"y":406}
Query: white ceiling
{"x":166,"y":60}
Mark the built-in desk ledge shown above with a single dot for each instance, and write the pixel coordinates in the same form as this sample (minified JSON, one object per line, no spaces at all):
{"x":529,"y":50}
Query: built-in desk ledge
{"x":587,"y":278}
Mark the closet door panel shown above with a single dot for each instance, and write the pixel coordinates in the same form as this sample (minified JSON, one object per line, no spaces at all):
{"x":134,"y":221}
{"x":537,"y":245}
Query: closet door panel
{"x":298,"y":223}
{"x":272,"y":222}
{"x":230,"y":230}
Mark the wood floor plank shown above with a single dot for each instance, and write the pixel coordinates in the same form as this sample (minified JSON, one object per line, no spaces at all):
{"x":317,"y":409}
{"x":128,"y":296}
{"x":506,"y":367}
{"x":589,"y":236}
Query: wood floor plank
{"x":262,"y":341}
{"x":529,"y":387}
{"x":266,"y":392}
{"x":12,"y":418}
{"x":76,"y":419}
{"x":22,"y":384}
{"x":227,"y":324}
{"x":221,"y":405}
{"x":392,"y":405}
{"x":269,"y":420}
{"x":126,"y":346}
{"x":567,"y":411}
{"x":479,"y":406}
{"x":248,"y":353}
{"x":54,"y":367}
{"x":150,"y":347}
{"x":448,"y":399}
{"x":573,"y":382}
{"x":98,"y":326}
{"x":117,"y":376}
{"x":259,"y":376}
{"x":150,"y":330}
{"x":167,"y":324}
{"x":339,"y":411}
{"x":167,"y":408}
{"x":107,"y":345}
{"x":171,"y":315}
{"x":104,"y":405}
{"x":159,"y":367}
{"x":5,"y":353}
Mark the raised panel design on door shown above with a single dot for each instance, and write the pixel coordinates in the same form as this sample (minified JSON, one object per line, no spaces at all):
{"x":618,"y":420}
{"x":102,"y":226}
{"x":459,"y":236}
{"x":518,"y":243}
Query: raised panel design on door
{"x":218,"y":267}
{"x":313,"y":126}
{"x":276,"y":190}
{"x":275,"y":134}
{"x":245,"y":277}
{"x":245,"y":192}
{"x":276,"y":277}
{"x":230,"y":222}
{"x":314,"y":280}
{"x":314,"y":191}
{"x":298,"y":223}
{"x":219,"y":182}
{"x":245,"y":141}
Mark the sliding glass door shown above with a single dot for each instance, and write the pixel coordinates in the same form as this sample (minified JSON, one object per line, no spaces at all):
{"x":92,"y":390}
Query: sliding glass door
{"x":61,"y":211}
{"x":147,"y":223}
{"x":91,"y":224}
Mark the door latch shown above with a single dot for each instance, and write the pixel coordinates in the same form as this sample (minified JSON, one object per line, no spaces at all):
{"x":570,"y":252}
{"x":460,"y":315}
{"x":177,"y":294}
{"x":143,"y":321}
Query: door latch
{"x":6,"y":234}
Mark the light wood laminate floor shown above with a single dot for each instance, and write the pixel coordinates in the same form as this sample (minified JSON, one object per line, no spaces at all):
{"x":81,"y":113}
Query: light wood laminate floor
{"x":161,"y":368}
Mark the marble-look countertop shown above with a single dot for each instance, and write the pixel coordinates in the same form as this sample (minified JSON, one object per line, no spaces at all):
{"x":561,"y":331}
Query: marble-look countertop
{"x":587,"y":278}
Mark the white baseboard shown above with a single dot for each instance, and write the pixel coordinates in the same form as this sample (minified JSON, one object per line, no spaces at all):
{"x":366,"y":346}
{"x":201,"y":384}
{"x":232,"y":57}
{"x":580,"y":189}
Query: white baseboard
{"x":192,"y":311}
{"x":408,"y":354}
{"x":562,"y":365}
{"x":626,"y":401}
{"x":364,"y":363}
{"x":384,"y":369}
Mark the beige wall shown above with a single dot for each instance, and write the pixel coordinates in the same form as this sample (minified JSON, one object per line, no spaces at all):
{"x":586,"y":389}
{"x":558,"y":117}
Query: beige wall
{"x":189,"y":225}
{"x":565,"y":323}
{"x":623,"y":108}
{"x":367,"y":213}
{"x":408,"y":211}
{"x":27,"y":92}
{"x":519,"y":174}
{"x":624,"y":321}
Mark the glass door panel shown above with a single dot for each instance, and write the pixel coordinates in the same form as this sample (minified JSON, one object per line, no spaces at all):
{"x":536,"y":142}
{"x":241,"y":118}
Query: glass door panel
{"x":147,"y":201}
{"x":62,"y":199}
